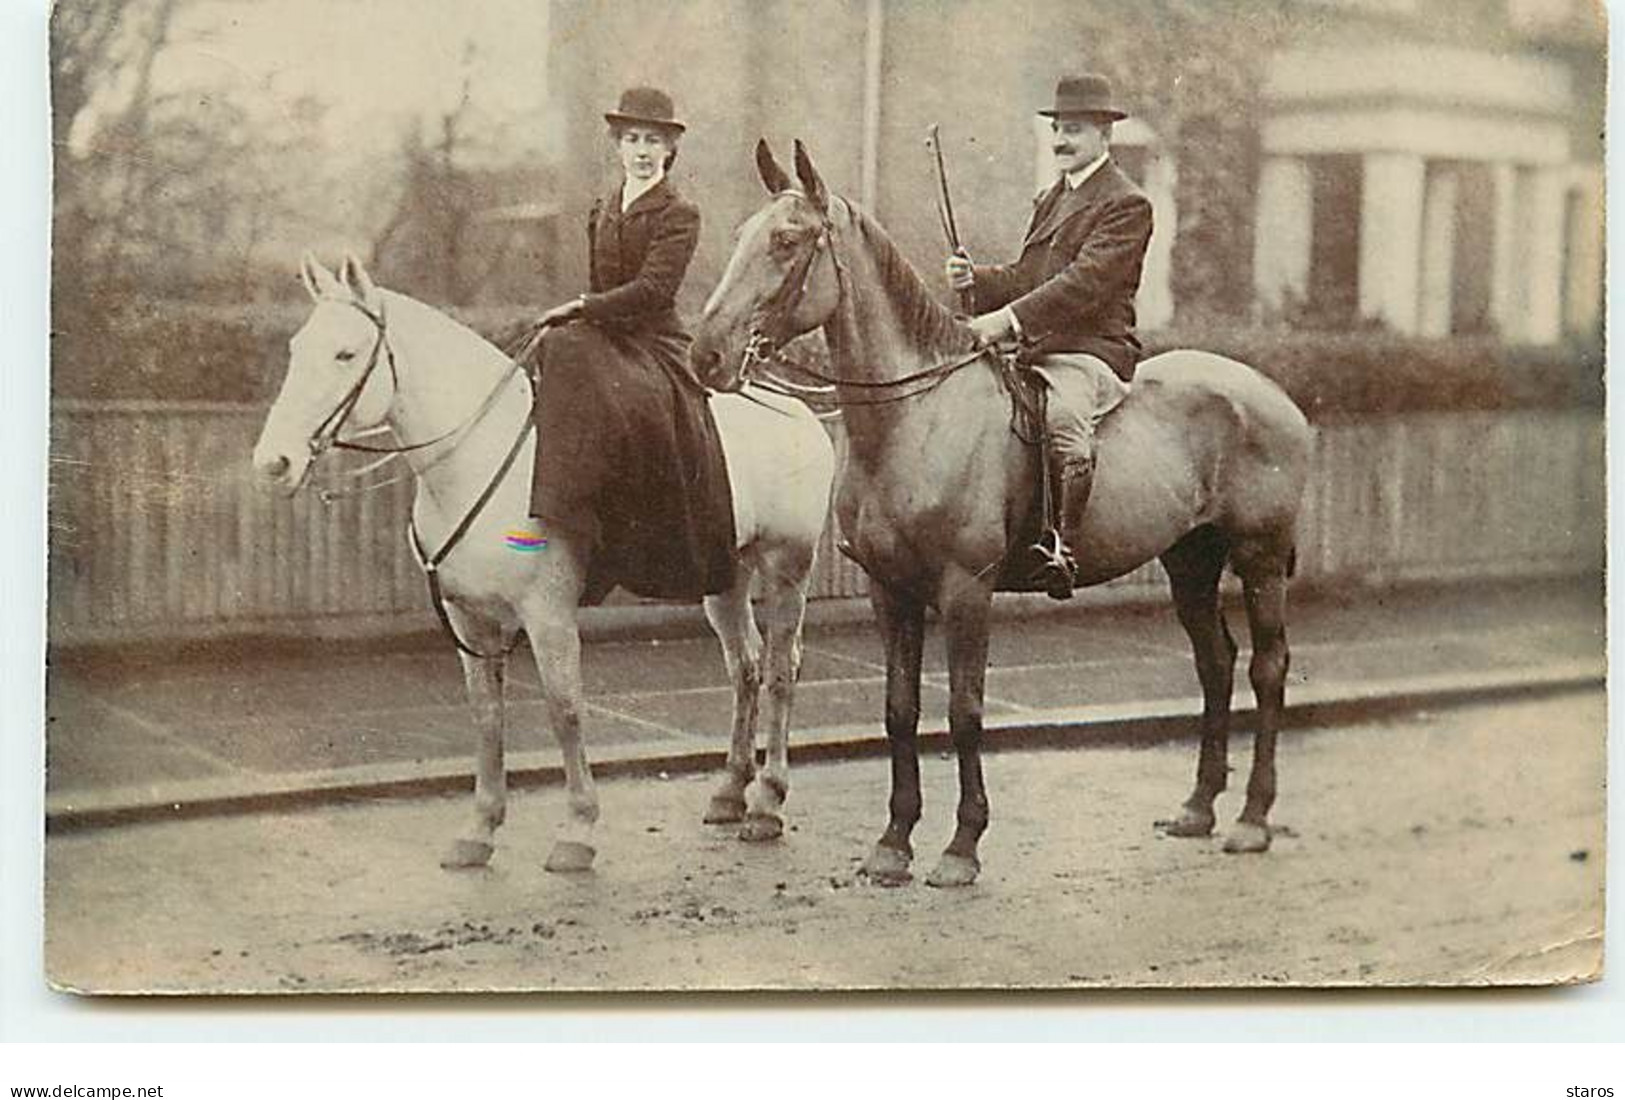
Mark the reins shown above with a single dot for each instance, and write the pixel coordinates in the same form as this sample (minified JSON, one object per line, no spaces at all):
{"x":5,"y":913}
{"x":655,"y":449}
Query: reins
{"x":326,"y":434}
{"x":928,"y":379}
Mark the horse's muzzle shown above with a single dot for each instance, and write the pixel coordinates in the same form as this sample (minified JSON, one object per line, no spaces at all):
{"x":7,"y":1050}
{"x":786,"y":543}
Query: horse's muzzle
{"x":277,"y":471}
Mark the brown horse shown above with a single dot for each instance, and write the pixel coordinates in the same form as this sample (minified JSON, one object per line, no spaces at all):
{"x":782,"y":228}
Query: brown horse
{"x":1202,"y":466}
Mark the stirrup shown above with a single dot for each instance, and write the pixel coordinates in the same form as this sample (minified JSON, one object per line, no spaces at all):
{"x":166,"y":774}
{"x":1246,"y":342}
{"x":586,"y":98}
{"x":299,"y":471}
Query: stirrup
{"x":1057,"y":570}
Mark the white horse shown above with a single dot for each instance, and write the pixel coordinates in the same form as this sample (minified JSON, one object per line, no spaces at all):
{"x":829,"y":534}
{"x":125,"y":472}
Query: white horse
{"x":459,"y":409}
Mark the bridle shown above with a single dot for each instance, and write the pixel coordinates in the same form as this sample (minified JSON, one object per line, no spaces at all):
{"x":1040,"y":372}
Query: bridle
{"x":772,"y":329}
{"x":327,"y":432}
{"x":771,"y":326}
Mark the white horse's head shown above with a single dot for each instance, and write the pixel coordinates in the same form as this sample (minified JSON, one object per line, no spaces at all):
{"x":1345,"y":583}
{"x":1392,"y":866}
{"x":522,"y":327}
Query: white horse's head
{"x":341,"y":374}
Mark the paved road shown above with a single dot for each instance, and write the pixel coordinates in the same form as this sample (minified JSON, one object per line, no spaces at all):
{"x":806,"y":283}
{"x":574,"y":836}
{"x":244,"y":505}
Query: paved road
{"x":1462,"y":845}
{"x":232,"y":724}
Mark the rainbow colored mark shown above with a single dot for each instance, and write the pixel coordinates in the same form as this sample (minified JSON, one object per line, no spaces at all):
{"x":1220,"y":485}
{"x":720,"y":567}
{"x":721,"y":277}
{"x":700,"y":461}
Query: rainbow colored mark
{"x":524,"y":541}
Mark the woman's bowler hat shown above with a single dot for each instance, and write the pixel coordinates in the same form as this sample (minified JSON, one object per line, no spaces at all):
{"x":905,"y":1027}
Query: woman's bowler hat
{"x":1089,"y":94}
{"x":645,"y":107}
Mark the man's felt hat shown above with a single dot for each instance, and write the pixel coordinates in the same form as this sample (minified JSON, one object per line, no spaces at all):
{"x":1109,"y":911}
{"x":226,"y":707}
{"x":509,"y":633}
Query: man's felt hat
{"x":1088,"y":94}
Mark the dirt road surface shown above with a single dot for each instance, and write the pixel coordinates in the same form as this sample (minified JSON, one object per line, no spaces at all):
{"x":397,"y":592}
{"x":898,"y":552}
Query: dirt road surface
{"x":1464,"y":846}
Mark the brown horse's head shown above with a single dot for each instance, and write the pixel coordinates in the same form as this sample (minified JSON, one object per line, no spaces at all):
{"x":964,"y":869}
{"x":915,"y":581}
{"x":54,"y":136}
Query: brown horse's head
{"x":780,"y":282}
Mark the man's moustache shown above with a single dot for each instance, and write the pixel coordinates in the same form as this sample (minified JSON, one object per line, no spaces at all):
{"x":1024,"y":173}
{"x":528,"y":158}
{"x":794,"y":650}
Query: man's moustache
{"x":1064,"y":150}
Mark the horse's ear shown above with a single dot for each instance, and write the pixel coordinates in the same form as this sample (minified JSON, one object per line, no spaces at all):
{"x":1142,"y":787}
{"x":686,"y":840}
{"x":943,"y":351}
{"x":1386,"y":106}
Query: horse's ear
{"x":773,"y":177}
{"x":811,"y":184}
{"x":354,"y":274}
{"x":319,"y":282}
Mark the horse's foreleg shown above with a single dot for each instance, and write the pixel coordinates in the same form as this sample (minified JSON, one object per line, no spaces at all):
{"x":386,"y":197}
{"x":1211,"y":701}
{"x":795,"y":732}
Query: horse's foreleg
{"x":785,"y":605}
{"x":730,"y":617}
{"x":550,"y":619}
{"x":901,"y":618}
{"x":558,"y":661}
{"x":486,"y":680}
{"x":1265,"y":589}
{"x":966,"y":604}
{"x":1194,"y":566}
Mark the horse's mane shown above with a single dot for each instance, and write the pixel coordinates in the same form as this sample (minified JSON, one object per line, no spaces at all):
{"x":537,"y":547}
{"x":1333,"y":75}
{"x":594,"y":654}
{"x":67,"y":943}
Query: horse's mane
{"x":923,"y":318}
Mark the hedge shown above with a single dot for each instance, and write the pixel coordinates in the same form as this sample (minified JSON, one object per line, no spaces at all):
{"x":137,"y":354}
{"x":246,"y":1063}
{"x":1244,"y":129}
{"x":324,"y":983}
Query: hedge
{"x":1376,"y":372}
{"x":240,"y":354}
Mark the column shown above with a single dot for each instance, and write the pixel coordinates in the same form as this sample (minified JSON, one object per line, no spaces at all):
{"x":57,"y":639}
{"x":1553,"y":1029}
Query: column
{"x":1434,"y":309}
{"x":1154,"y":306}
{"x":1544,"y":258}
{"x":1391,"y":238}
{"x":574,"y":57}
{"x":1284,"y":228}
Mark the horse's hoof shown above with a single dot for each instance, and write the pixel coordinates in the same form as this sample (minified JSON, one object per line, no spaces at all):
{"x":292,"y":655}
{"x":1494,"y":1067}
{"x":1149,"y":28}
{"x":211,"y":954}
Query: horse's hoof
{"x":570,"y":857}
{"x":725,"y":810}
{"x":761,"y":827}
{"x":1188,"y":823}
{"x":465,"y":854}
{"x":1245,"y":836}
{"x":887,"y":867}
{"x":954,"y":870}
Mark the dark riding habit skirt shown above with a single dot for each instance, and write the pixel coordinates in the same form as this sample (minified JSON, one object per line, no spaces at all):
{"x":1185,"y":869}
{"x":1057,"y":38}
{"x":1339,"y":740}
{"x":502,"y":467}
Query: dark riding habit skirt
{"x":628,"y":458}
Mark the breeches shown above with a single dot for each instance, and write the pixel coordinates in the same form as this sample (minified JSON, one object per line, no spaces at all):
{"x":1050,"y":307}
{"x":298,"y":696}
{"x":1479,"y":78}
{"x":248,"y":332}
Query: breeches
{"x":1082,"y":390}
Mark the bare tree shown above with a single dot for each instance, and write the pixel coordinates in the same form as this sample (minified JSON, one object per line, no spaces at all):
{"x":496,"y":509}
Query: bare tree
{"x":103,"y":53}
{"x":429,"y":239}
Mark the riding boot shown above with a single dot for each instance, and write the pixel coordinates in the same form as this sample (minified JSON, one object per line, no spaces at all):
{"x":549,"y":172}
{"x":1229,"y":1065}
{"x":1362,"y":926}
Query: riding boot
{"x":1074,"y":479}
{"x":1056,"y":570}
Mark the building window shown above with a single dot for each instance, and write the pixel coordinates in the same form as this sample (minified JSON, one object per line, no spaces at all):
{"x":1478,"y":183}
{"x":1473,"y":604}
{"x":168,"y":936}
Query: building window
{"x":1334,"y":240}
{"x":1582,"y":287}
{"x":1474,"y":259}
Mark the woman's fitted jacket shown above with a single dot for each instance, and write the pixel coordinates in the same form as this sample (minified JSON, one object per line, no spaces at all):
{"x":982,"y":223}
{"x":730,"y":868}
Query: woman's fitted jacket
{"x":638,"y":258}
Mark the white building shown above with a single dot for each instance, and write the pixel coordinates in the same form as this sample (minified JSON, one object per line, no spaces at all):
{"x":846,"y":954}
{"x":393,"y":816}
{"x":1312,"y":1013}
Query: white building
{"x":1435,"y":187}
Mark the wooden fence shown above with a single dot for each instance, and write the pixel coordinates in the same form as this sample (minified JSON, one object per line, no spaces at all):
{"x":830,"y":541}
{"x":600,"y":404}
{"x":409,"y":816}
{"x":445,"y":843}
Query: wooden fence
{"x":157,"y":532}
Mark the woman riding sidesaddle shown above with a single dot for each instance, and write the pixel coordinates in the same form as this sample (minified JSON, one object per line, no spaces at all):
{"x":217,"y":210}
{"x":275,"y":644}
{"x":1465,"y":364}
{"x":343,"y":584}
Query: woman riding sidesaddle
{"x":626,"y":450}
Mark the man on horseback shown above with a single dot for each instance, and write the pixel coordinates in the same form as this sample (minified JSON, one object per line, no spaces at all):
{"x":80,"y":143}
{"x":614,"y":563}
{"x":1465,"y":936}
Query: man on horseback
{"x":1069,"y":301}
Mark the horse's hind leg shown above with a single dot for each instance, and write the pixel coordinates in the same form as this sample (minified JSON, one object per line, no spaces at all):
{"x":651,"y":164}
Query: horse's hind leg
{"x":730,"y":616}
{"x":486,"y":680}
{"x":1263,"y":570}
{"x":901,"y":618}
{"x":784,"y":605}
{"x":1194,"y":566}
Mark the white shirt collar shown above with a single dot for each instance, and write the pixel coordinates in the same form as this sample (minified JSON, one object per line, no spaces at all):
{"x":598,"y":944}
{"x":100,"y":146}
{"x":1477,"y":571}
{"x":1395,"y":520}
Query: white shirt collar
{"x":1074,"y":180}
{"x":632,"y":190}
